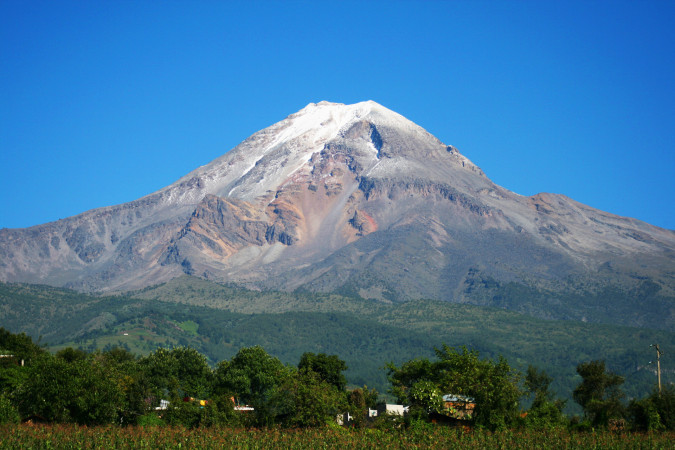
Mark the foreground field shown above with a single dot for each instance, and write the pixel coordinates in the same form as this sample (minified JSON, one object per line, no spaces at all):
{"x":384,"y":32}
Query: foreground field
{"x":70,"y":436}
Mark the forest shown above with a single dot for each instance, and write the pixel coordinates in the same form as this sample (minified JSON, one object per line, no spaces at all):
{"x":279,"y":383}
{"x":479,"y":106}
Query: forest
{"x":177,"y":387}
{"x":218,"y":320}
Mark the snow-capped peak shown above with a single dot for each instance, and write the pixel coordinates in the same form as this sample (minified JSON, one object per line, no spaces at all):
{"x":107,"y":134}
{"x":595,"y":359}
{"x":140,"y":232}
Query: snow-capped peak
{"x":259,"y":163}
{"x":324,"y":112}
{"x":326,"y":119}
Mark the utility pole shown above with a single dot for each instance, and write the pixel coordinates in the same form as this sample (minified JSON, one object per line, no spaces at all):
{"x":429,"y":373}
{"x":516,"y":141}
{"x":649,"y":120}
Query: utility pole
{"x":658,"y":364}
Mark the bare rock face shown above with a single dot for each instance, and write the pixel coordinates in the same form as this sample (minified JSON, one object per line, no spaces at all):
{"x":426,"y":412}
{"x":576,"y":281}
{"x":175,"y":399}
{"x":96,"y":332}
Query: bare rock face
{"x":362,"y":222}
{"x":221,"y":227}
{"x":360,"y":199}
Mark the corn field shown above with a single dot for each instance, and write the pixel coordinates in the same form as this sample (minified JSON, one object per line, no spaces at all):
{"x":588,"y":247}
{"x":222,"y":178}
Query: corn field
{"x":71,"y":436}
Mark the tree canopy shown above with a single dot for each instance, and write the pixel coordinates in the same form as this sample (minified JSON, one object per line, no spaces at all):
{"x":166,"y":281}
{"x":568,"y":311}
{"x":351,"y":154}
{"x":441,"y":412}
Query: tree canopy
{"x":176,"y":386}
{"x":599,"y":392}
{"x":493,"y":385}
{"x":328,"y":368}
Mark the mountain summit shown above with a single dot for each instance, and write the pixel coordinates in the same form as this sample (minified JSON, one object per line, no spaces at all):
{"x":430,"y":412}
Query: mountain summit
{"x":357,"y":198}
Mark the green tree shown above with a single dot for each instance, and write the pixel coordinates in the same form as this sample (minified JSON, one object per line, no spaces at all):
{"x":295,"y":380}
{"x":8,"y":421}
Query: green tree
{"x":12,"y":377}
{"x":545,"y":411}
{"x":363,"y":397}
{"x":49,"y":390}
{"x":665,"y":405}
{"x":20,"y":346}
{"x":655,"y":412}
{"x":98,"y":398}
{"x":82,"y":391}
{"x":359,"y":401}
{"x":131,"y":379}
{"x":599,"y":393}
{"x":410,"y":372}
{"x":492,"y":384}
{"x":328,"y":367}
{"x":69,"y":354}
{"x":538,"y":383}
{"x":425,"y":395}
{"x":19,"y":353}
{"x":643,"y":415}
{"x":306,"y":400}
{"x":252,"y":376}
{"x":8,"y":411}
{"x":178,"y":372}
{"x":119,"y":356}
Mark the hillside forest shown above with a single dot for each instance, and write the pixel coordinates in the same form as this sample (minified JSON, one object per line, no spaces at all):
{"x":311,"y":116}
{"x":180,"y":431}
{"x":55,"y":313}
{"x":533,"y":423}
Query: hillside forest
{"x":176,"y":386}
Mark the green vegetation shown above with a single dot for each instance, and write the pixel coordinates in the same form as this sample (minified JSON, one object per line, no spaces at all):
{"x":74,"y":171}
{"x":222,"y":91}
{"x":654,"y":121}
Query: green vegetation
{"x":117,"y":387}
{"x":602,"y":299}
{"x":176,"y":388}
{"x":599,"y":393}
{"x":189,"y":327}
{"x":69,"y":436}
{"x":546,"y":411}
{"x":492,"y":385}
{"x":218,"y":320}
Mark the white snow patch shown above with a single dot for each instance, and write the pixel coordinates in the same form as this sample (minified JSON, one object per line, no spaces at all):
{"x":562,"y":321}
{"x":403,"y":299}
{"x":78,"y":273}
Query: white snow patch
{"x":303,"y":163}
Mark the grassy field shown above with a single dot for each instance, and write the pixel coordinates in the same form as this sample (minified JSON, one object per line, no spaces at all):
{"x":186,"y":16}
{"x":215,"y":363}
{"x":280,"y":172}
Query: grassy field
{"x":69,"y":436}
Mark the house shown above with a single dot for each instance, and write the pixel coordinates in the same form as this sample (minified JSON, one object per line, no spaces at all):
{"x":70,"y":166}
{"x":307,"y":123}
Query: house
{"x":458,"y":406}
{"x":383,"y":409}
{"x":457,"y":411}
{"x":391,"y":409}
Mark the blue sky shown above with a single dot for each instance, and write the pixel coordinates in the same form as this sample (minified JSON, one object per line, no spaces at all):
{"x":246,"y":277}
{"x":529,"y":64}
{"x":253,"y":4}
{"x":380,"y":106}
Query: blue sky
{"x":104,"y":102}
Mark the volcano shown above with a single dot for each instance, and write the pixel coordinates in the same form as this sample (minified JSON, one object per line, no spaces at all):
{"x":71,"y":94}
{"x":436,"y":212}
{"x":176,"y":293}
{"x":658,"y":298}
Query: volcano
{"x":360,"y":200}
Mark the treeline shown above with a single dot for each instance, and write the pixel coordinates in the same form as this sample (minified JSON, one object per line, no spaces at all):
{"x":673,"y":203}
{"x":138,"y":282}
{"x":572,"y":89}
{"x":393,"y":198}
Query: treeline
{"x":365,"y":334}
{"x":499,"y":392}
{"x":177,"y":386}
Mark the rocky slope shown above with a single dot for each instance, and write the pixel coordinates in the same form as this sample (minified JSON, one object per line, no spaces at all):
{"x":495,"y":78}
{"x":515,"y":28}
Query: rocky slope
{"x":358,"y":198}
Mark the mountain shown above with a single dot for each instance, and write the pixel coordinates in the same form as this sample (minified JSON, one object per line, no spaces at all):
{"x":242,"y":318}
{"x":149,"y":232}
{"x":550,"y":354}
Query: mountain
{"x":358,"y":199}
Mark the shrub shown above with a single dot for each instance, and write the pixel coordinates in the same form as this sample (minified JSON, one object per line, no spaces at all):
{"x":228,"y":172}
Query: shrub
{"x":149,"y":420}
{"x":8,"y":412}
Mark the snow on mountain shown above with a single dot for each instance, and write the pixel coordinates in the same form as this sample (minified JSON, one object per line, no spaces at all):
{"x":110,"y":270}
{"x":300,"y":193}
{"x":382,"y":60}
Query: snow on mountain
{"x":257,"y":164}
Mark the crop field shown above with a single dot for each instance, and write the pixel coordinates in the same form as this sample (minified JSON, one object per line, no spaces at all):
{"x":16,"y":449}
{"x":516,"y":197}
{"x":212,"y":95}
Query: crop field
{"x":71,"y":436}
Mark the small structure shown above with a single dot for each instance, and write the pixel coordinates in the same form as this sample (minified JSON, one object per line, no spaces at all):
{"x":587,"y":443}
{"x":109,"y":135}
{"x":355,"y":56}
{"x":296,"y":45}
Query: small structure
{"x":163,"y":405}
{"x":239,"y":407}
{"x":383,"y":409}
{"x":244,"y":408}
{"x":458,"y":406}
{"x":343,"y":419}
{"x":391,"y":409}
{"x":17,"y":361}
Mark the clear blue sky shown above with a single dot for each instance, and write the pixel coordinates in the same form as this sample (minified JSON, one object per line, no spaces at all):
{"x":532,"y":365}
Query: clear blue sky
{"x":102,"y":102}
